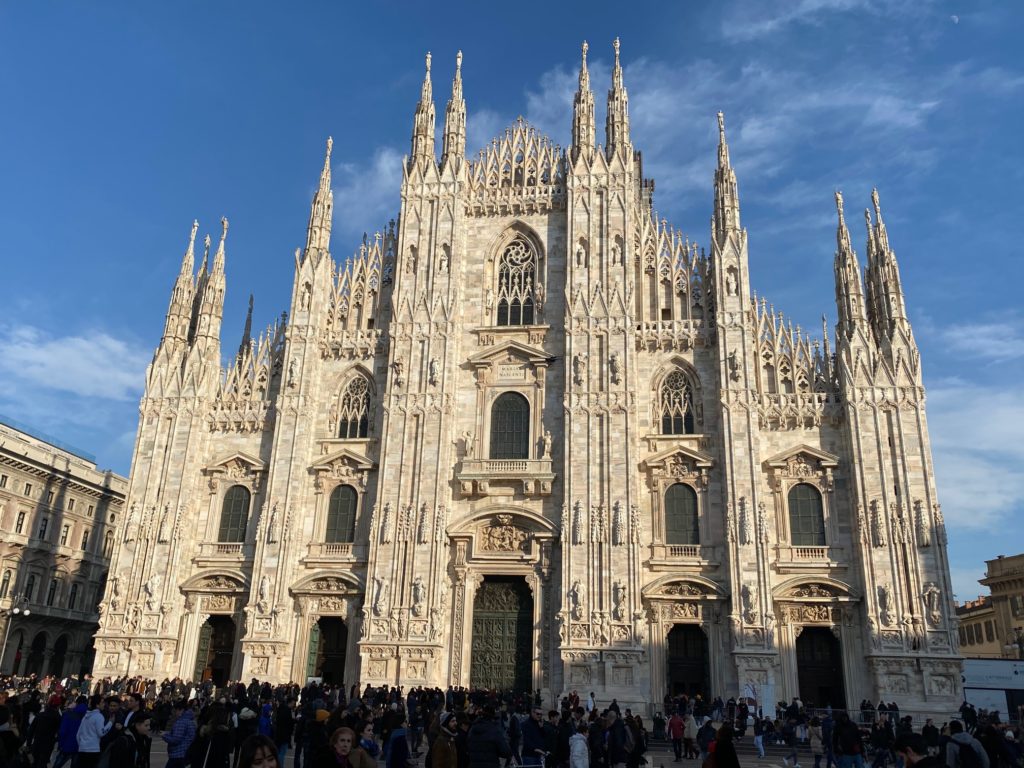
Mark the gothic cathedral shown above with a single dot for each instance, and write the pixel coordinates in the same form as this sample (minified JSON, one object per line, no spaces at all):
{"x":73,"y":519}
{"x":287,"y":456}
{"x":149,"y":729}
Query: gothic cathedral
{"x":531,"y":436}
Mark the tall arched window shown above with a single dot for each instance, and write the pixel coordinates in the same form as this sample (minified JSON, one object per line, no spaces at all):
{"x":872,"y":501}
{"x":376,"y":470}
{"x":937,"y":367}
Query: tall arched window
{"x":517,"y":283}
{"x":806,"y":516}
{"x":510,"y":427}
{"x":5,"y":584}
{"x":234,"y":514}
{"x":675,"y":405}
{"x":681,"y":524}
{"x":354,"y":410}
{"x":341,"y":515}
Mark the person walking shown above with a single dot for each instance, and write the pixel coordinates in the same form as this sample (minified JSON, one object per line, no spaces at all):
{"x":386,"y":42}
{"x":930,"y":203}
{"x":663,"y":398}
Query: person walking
{"x":816,"y":740}
{"x":92,"y":730}
{"x":67,"y":733}
{"x":181,"y":735}
{"x":676,"y":727}
{"x":486,"y":744}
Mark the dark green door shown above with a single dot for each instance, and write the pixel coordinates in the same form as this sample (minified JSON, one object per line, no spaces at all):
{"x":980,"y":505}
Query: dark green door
{"x":502,"y":649}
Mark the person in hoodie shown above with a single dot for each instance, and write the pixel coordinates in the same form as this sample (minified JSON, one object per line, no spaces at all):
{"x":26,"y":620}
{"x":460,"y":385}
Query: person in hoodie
{"x":958,"y":738}
{"x":398,"y":746}
{"x":181,"y":735}
{"x":579,"y":749}
{"x":95,"y":725}
{"x":443,"y":751}
{"x":127,"y":748}
{"x":67,"y":733}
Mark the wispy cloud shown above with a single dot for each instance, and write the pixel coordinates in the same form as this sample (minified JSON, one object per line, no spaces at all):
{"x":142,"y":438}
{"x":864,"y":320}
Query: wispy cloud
{"x":994,"y":341}
{"x":366,"y":195}
{"x":750,"y":21}
{"x":89,"y":364}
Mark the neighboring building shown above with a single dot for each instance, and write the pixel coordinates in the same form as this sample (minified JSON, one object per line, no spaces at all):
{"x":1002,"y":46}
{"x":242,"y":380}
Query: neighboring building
{"x":59,"y":516}
{"x":980,"y":637}
{"x":1005,"y":580}
{"x":531,"y":436}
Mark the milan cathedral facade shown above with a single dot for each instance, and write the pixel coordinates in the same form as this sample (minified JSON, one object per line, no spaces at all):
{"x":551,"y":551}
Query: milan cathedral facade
{"x":531,"y":436}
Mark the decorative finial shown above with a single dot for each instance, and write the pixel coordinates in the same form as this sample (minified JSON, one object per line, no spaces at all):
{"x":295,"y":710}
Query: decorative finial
{"x":839,"y":206}
{"x":458,"y":62}
{"x":428,"y":62}
{"x":206,"y":243}
{"x":224,"y":226}
{"x":330,"y":145}
{"x":721,"y":123}
{"x":875,"y":202}
{"x":615,"y":45}
{"x":585,"y":49}
{"x":192,"y":237}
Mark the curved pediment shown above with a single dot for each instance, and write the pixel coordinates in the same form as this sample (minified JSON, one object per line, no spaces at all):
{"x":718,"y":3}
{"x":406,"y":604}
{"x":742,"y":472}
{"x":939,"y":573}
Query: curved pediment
{"x":216,"y":581}
{"x":328,"y":583}
{"x":814,"y":588}
{"x":693,"y":587}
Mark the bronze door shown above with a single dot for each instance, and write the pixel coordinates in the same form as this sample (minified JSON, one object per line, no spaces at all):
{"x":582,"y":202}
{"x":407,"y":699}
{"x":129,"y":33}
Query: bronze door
{"x":502,"y":635}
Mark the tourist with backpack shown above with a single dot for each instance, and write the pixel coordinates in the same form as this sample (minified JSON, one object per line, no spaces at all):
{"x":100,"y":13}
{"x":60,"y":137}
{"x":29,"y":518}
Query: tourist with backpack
{"x":963,"y":750}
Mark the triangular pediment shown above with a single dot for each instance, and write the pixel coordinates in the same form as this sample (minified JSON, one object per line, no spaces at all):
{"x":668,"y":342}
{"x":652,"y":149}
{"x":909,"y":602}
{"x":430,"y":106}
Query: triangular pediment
{"x":678,"y":453}
{"x":344,"y":456}
{"x":824,"y":458}
{"x":236,"y":460}
{"x":510,"y":350}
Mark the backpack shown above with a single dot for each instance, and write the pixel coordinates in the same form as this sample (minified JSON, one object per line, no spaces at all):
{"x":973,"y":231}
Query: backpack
{"x":967,"y":757}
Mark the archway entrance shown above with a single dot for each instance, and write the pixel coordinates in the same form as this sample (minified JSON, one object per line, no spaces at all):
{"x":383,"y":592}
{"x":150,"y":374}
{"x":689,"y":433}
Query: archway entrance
{"x":328,"y":640}
{"x":502,"y":648}
{"x":60,"y":652}
{"x":689,"y":667}
{"x":216,"y":650}
{"x":819,"y":663}
{"x":34,"y":663}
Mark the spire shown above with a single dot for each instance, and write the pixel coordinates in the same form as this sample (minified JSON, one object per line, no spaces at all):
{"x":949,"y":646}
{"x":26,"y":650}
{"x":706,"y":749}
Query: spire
{"x":455,"y":119}
{"x":849,"y":293}
{"x":617,"y":123}
{"x":218,"y":259}
{"x":423,"y":124}
{"x":583,"y":129}
{"x":246,"y":343}
{"x":888,"y":310}
{"x":727,"y":201}
{"x":210,"y":298}
{"x":321,"y":212}
{"x":179,"y":313}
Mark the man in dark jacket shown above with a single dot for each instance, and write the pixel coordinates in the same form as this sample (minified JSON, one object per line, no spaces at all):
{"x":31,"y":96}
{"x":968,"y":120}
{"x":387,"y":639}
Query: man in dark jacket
{"x":534,"y":739}
{"x":284,"y":726}
{"x":42,"y":736}
{"x":615,"y":743}
{"x":486,"y":744}
{"x":67,"y":735}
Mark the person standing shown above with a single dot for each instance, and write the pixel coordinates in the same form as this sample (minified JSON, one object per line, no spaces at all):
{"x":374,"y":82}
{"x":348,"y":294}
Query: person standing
{"x":67,"y":733}
{"x":486,"y":744}
{"x":284,"y":726}
{"x":676,"y":728}
{"x":92,"y":730}
{"x":181,"y":735}
{"x":42,"y":736}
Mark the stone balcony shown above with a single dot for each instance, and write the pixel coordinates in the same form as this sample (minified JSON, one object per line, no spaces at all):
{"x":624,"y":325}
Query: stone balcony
{"x":328,"y":554}
{"x":531,"y":477}
{"x":793,"y":559}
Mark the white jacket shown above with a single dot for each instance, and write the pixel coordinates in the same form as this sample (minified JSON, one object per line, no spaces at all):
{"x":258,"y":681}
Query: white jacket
{"x":579,"y":752}
{"x":93,"y":728}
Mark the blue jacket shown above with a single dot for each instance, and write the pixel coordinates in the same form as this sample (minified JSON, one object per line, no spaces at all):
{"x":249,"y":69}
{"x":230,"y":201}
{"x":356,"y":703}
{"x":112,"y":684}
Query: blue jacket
{"x":181,"y":735}
{"x":67,"y":735}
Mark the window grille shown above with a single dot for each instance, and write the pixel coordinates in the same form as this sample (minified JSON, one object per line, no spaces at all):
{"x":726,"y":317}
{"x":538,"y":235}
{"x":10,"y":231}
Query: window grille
{"x":510,"y":427}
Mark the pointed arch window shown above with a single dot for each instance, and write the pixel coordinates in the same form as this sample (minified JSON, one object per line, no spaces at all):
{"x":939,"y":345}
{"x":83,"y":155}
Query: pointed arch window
{"x":341,"y":515}
{"x":806,"y":516}
{"x":681,"y":523}
{"x":517,"y":282}
{"x":510,"y":427}
{"x":234,"y":515}
{"x":675,"y":405}
{"x":354,"y":410}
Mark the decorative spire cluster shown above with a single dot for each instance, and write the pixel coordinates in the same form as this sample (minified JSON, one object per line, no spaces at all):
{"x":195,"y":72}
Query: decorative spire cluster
{"x":886,"y":307}
{"x":727,"y":200}
{"x":179,"y":314}
{"x":455,"y":119}
{"x":617,"y":122}
{"x":583,"y":129}
{"x":321,"y":212}
{"x":423,"y":124}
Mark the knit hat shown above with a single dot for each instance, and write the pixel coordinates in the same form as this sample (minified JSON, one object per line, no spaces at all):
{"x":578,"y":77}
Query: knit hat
{"x":246,"y":714}
{"x":322,"y":715}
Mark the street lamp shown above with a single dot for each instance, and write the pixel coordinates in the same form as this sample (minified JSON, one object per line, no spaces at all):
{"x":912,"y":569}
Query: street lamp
{"x":19,"y":607}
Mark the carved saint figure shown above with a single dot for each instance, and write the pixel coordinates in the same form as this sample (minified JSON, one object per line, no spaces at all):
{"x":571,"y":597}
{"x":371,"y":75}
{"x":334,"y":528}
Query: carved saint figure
{"x":577,"y":600}
{"x":748,"y":597}
{"x":730,"y":283}
{"x":616,"y":254}
{"x":538,"y":295}
{"x":442,"y":261}
{"x":163,"y":532}
{"x":467,"y":443}
{"x":272,"y":524}
{"x":436,"y":626}
{"x":419,"y":596}
{"x":306,"y":291}
{"x":931,"y":602}
{"x":399,"y":371}
{"x":580,"y":255}
{"x":489,"y":299}
{"x":433,"y":373}
{"x":615,"y":368}
{"x":579,"y":368}
{"x":292,"y":367}
{"x":381,"y":597}
{"x":734,"y":366}
{"x":546,"y":444}
{"x":151,"y":587}
{"x":618,"y":600}
{"x":885,"y":605}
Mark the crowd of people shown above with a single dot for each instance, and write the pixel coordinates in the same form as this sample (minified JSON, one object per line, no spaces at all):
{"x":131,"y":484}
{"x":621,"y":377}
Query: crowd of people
{"x":114,"y":724}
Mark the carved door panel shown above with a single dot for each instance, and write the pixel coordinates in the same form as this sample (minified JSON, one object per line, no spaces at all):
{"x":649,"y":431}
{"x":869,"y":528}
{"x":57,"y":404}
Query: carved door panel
{"x":689,"y":664}
{"x":502,"y":636}
{"x":203,"y":652}
{"x":314,"y":650}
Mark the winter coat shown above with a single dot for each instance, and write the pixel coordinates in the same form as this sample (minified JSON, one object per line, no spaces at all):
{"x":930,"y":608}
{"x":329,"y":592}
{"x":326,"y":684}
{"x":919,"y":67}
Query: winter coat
{"x":676,"y":726}
{"x":486,"y":744}
{"x":579,"y":751}
{"x":953,"y":750}
{"x":67,"y":734}
{"x":181,"y":735}
{"x":443,"y":752}
{"x":816,"y":739}
{"x":690,"y":727}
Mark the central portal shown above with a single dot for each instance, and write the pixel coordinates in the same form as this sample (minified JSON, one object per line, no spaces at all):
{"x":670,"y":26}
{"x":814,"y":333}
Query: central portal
{"x":689,"y":664}
{"x":502,"y":635}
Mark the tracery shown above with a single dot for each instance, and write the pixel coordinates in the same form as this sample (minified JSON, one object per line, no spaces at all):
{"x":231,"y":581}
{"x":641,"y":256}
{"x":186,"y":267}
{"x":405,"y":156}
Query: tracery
{"x":517,"y":283}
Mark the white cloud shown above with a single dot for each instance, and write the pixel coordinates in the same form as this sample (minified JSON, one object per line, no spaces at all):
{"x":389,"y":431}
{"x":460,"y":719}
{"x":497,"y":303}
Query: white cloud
{"x":366,"y":196}
{"x":91,"y":364}
{"x":978,"y":453}
{"x":996,"y":341}
{"x":750,"y":21}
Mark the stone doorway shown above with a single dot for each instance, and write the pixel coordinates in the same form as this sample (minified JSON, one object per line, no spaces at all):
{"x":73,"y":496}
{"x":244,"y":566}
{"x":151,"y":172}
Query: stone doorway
{"x":502,"y":648}
{"x":689,"y":663}
{"x":216,"y":650}
{"x":819,"y":664}
{"x":328,"y":640}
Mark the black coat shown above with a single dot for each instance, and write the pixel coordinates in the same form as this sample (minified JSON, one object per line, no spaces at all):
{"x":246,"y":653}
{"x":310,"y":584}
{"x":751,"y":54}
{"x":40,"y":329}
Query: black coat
{"x":486,"y":744}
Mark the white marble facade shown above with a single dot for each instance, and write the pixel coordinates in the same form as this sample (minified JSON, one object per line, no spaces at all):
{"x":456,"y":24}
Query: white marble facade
{"x":529,"y":379}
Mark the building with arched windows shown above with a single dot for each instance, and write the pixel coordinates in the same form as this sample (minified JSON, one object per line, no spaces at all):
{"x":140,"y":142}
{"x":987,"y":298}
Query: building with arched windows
{"x":59,"y":516}
{"x":531,"y":436}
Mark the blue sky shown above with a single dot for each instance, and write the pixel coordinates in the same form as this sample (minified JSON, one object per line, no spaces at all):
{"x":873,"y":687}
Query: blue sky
{"x":122,"y":122}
